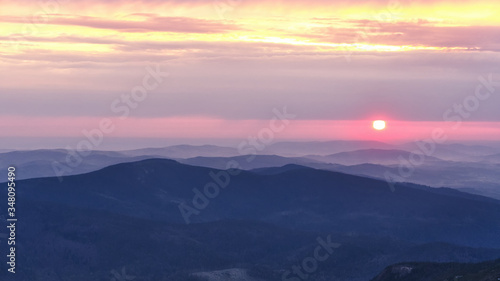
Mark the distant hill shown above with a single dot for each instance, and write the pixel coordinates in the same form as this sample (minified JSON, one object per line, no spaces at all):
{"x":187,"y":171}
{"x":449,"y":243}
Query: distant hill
{"x":185,"y":151}
{"x":41,"y":163}
{"x":370,"y":156}
{"x":322,"y":148}
{"x":474,"y":177}
{"x":486,"y":271}
{"x":55,"y":162}
{"x":278,"y":170}
{"x":478,"y":178}
{"x":495,"y":158}
{"x":456,"y":151}
{"x":248,"y":162}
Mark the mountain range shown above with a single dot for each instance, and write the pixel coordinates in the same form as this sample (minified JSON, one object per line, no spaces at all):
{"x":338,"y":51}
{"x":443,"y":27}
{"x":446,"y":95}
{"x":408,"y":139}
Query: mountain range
{"x":477,"y":172}
{"x":164,"y":220}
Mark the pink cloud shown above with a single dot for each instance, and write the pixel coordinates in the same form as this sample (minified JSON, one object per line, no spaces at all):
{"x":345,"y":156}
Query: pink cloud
{"x":212,"y":128}
{"x":148,"y":24}
{"x":420,"y":33}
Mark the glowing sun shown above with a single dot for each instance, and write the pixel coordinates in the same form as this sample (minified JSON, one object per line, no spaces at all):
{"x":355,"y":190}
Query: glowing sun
{"x":379,"y":125}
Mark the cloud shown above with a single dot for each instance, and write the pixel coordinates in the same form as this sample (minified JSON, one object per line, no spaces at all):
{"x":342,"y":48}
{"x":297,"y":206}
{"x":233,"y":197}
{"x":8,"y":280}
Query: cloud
{"x":421,"y":33}
{"x":149,"y":23}
{"x":405,"y":86}
{"x":136,"y":45}
{"x":54,"y":74}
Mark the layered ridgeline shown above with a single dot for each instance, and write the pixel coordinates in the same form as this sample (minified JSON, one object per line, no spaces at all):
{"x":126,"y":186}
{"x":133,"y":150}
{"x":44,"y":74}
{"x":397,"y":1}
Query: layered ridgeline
{"x":468,"y":168}
{"x":474,"y":177}
{"x":64,"y":162}
{"x":265,"y":225}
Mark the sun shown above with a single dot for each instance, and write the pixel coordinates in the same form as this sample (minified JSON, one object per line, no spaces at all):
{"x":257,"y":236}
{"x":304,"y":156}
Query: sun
{"x":379,"y":125}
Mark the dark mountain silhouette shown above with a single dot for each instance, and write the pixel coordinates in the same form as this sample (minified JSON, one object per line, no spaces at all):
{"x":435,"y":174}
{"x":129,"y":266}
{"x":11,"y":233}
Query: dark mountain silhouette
{"x":478,"y":178}
{"x":78,"y":244}
{"x":128,"y":215}
{"x":248,"y":162}
{"x":278,"y":170}
{"x":474,"y":177}
{"x":305,"y":198}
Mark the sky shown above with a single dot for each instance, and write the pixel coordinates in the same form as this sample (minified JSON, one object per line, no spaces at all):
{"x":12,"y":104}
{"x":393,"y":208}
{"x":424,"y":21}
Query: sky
{"x":210,"y":71}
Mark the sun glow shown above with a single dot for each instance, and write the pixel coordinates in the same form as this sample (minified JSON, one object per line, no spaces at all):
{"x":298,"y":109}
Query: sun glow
{"x":379,"y":125}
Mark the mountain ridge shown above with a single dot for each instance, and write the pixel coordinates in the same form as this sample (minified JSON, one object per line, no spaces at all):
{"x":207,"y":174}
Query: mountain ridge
{"x":335,"y":200}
